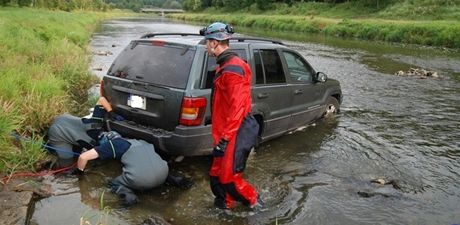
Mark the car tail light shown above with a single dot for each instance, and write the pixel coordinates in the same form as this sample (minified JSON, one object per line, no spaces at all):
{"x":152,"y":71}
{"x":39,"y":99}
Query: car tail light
{"x":158,"y":43}
{"x":192,"y":111}
{"x":101,"y":89}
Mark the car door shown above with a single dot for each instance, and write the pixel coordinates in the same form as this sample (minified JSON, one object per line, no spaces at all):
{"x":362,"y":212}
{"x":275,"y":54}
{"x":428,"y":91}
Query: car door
{"x":270,"y":94}
{"x":304,"y":91}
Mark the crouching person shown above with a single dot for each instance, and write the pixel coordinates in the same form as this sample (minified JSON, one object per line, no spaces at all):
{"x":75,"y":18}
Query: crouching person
{"x":69,"y":134}
{"x":143,"y":168}
{"x":66,"y":136}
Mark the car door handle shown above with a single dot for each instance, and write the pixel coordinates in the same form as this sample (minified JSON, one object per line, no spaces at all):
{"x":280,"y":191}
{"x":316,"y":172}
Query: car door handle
{"x":298,"y":92}
{"x":262,"y":95}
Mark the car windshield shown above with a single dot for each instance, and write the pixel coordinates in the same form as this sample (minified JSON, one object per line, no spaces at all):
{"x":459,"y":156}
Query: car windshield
{"x":155,"y":63}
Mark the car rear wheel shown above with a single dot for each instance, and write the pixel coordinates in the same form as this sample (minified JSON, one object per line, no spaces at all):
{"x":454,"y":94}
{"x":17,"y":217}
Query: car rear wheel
{"x":332,"y":107}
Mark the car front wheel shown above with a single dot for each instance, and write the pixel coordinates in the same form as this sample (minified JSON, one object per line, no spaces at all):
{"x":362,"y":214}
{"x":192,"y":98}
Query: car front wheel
{"x":332,"y":107}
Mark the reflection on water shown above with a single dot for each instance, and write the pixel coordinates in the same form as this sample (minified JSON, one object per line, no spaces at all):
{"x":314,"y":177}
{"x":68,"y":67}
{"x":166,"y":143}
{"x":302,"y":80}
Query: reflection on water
{"x":402,"y":129}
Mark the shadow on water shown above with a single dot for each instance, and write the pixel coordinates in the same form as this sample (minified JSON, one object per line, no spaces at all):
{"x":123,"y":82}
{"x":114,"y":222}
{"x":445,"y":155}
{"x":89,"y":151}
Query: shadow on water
{"x":402,"y":130}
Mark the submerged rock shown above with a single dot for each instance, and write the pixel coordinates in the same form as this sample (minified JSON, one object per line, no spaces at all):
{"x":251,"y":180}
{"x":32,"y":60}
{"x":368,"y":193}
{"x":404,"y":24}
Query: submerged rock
{"x":422,"y":73}
{"x":365,"y":194}
{"x":39,"y":188}
{"x":384,"y":187}
{"x":155,"y":220}
{"x":103,"y":53}
{"x":385,"y":181}
{"x":14,"y":204}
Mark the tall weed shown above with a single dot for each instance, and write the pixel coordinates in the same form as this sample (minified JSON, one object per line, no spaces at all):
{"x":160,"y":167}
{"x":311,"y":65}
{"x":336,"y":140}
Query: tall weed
{"x":44,"y":66}
{"x":422,"y":10}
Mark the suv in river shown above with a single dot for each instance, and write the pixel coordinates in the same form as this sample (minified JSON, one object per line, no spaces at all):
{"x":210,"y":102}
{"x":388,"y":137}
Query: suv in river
{"x":161,"y":85}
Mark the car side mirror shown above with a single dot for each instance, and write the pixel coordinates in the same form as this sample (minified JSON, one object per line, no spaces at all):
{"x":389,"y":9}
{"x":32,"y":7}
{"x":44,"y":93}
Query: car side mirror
{"x":321,"y":77}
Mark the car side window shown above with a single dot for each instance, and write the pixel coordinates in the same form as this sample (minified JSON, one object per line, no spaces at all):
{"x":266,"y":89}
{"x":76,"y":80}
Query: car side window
{"x":269,"y":68}
{"x":299,"y":70}
{"x":211,"y":66}
{"x":259,"y":73}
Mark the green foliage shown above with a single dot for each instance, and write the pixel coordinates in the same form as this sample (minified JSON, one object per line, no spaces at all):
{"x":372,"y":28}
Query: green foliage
{"x":66,"y":5}
{"x":44,"y":66}
{"x":423,"y":9}
{"x":14,"y":154}
{"x":343,"y":18}
{"x":435,"y":33}
{"x":24,"y":2}
{"x":9,"y":120}
{"x":390,"y":9}
{"x":423,"y":33}
{"x":136,"y":5}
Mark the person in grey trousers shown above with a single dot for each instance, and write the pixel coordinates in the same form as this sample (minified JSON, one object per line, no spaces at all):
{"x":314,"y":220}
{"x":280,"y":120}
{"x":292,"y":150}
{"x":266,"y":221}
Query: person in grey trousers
{"x":143,"y":168}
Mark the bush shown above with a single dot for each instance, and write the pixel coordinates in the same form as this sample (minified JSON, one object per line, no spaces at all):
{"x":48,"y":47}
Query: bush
{"x":44,"y":67}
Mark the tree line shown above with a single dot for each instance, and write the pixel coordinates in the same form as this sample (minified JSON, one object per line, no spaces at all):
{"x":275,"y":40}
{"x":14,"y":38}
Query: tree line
{"x":197,"y":5}
{"x":95,"y":5}
{"x":66,"y":5}
{"x":267,"y":4}
{"x":136,"y":5}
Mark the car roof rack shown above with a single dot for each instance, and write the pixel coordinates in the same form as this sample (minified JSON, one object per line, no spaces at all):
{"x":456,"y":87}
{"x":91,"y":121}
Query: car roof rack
{"x":151,"y":35}
{"x":239,"y":39}
{"x":244,"y":39}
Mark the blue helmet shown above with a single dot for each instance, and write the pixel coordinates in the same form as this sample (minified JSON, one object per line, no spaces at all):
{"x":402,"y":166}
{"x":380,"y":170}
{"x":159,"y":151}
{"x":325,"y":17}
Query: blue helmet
{"x":217,"y":31}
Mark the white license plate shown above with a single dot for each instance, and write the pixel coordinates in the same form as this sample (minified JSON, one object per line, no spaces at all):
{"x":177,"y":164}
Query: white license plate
{"x":137,"y":101}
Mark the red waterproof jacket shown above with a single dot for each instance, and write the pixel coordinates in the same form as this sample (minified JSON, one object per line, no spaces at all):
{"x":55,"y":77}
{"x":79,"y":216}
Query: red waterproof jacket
{"x":231,"y":96}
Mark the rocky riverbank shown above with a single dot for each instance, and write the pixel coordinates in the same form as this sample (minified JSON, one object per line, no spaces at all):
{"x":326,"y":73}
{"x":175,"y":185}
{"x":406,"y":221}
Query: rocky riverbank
{"x":17,"y":197}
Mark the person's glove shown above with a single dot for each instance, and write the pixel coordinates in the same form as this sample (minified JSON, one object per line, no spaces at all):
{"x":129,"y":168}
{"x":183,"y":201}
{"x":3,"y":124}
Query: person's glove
{"x":76,"y":172}
{"x":220,"y":148}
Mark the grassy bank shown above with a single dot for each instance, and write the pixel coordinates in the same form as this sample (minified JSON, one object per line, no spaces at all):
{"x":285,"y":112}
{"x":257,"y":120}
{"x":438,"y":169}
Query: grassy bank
{"x":432,"y":33}
{"x":44,"y":71}
{"x":395,"y":10}
{"x":424,"y":22}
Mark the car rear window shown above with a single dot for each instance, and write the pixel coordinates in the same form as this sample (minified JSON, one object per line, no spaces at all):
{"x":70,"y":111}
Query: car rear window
{"x":154,"y":62}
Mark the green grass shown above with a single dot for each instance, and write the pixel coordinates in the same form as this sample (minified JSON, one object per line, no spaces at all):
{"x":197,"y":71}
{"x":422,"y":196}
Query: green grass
{"x":431,"y":33}
{"x":395,"y":10}
{"x":44,"y":67}
{"x":422,"y":10}
{"x":404,"y":10}
{"x":423,"y":22}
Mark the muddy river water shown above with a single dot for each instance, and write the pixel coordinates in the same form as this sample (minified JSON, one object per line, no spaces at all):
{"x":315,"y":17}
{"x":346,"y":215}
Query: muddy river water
{"x":403,"y":129}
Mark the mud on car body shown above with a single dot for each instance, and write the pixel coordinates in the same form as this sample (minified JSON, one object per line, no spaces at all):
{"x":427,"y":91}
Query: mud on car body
{"x":161,"y":85}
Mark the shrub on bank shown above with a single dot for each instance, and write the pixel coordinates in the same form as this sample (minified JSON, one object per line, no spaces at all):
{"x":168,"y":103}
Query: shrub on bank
{"x":44,"y":67}
{"x":433,"y":33}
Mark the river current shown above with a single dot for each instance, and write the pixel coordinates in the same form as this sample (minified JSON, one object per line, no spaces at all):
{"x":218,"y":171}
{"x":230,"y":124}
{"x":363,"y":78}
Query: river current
{"x":404,"y":130}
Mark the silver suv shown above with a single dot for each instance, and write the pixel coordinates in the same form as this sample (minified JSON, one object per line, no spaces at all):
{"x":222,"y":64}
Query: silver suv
{"x":161,"y":85}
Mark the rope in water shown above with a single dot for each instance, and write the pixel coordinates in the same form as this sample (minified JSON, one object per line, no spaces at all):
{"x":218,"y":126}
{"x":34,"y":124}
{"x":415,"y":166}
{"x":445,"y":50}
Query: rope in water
{"x":6,"y":179}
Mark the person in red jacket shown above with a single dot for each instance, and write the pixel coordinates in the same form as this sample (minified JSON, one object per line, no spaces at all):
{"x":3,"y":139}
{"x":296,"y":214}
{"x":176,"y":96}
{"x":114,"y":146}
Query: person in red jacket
{"x":234,"y":129}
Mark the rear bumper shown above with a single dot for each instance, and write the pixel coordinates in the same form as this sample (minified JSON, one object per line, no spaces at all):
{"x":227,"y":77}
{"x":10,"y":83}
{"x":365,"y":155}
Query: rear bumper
{"x":186,"y":141}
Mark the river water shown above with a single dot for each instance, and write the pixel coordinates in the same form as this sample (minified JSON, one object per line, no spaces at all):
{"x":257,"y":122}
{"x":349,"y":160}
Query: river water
{"x":403,"y":129}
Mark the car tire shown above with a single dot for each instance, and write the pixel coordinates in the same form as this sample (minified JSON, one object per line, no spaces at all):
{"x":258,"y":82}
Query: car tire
{"x":332,"y":107}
